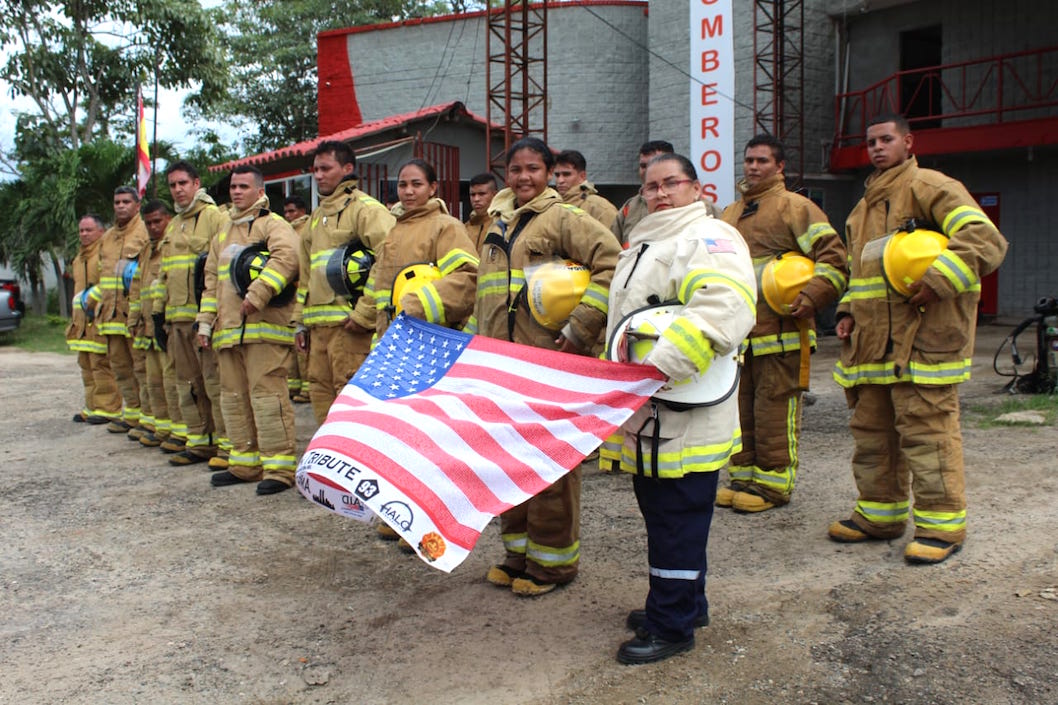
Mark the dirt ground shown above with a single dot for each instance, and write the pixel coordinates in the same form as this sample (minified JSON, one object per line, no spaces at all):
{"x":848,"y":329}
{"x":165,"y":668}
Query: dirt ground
{"x":124,"y":580}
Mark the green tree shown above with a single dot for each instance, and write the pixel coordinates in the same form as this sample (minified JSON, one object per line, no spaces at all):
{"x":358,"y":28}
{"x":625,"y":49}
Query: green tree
{"x":80,"y":60}
{"x":40,"y":210}
{"x":271,"y":48}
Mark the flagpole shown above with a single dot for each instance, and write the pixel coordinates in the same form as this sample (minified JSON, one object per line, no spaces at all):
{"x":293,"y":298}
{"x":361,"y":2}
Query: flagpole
{"x":154,"y":138}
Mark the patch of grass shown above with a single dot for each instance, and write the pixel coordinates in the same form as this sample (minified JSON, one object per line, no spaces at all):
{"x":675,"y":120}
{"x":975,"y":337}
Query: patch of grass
{"x":39,"y":334}
{"x":986,"y":414}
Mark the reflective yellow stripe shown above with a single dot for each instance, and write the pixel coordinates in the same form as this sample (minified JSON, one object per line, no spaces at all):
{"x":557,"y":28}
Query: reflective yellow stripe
{"x":274,"y":279}
{"x":318,"y":260}
{"x":700,"y":278}
{"x":916,"y":372}
{"x":455,"y":259}
{"x":327,"y":314}
{"x":963,"y":215}
{"x":741,"y":473}
{"x":832,"y":274}
{"x":432,"y":305}
{"x":253,"y":333}
{"x":181,"y":313}
{"x":209,"y":304}
{"x":88,"y":346}
{"x":492,"y":284}
{"x":471,"y":326}
{"x":956,"y":271}
{"x":597,"y":297}
{"x":815,"y":231}
{"x":113,"y":328}
{"x":278,"y":462}
{"x":940,"y":521}
{"x":690,"y":341}
{"x":249,"y":460}
{"x":551,"y":557}
{"x":699,"y":458}
{"x":515,"y":543}
{"x":142,"y":343}
{"x":864,"y":288}
{"x":883,"y":512}
{"x":779,"y":343}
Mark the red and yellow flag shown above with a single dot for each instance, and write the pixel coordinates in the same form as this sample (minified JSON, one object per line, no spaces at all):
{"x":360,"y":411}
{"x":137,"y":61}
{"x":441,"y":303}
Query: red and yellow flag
{"x":143,"y":154}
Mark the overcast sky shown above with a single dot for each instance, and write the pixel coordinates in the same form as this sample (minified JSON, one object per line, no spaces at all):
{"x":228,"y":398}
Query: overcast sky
{"x":172,"y":127}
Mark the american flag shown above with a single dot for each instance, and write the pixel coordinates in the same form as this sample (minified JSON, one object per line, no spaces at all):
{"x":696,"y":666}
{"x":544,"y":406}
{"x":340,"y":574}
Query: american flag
{"x":440,"y":431}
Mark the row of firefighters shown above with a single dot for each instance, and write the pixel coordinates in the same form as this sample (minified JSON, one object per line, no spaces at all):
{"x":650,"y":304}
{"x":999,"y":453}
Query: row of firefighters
{"x":195,"y":332}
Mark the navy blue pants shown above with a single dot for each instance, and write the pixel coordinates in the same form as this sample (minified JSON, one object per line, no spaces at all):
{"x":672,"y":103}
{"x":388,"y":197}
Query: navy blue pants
{"x":677,"y":513}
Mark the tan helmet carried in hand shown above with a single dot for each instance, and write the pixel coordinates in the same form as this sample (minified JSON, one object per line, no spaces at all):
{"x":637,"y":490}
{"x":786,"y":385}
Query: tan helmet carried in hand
{"x":410,"y":279}
{"x":783,"y":278}
{"x":907,"y":256}
{"x":554,"y":289}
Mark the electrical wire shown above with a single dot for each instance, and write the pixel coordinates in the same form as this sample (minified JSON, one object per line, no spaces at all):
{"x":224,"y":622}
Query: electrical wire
{"x":661,"y":58}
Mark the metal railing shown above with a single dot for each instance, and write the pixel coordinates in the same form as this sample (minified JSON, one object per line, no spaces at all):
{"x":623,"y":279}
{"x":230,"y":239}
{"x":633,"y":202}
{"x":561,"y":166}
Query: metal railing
{"x":1008,"y":87}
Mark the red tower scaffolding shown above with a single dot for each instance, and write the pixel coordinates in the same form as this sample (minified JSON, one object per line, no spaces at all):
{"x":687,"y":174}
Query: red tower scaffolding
{"x":515,"y":74}
{"x":778,"y":78}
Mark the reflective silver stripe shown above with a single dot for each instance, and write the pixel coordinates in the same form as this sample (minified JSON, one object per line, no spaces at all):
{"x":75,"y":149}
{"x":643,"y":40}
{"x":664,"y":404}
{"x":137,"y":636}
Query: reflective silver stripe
{"x":675,"y":574}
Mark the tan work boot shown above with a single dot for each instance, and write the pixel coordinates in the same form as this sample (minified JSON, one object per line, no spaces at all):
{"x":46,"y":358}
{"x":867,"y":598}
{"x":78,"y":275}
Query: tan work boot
{"x":219,"y":462}
{"x":529,"y":587}
{"x":386,"y":533}
{"x":847,"y":531}
{"x":930,"y":551}
{"x":749,"y":503}
{"x":502,"y":575}
{"x":725,"y":496}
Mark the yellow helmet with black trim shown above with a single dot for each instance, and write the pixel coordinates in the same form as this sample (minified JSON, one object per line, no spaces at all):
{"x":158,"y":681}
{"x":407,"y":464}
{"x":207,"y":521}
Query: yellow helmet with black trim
{"x":783,"y":278}
{"x":554,"y":289}
{"x":411,"y":279}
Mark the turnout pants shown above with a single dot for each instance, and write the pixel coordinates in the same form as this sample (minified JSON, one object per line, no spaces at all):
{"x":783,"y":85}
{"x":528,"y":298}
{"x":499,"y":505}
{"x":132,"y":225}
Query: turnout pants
{"x":211,"y":377}
{"x":139,"y":369}
{"x":178,"y":429}
{"x":678,"y":513}
{"x":119,"y":351}
{"x":259,"y":412}
{"x":542,"y":535}
{"x":157,"y":403}
{"x":335,"y":355}
{"x":101,"y":395}
{"x":769,"y":406}
{"x":195,"y":407}
{"x":908,"y":438}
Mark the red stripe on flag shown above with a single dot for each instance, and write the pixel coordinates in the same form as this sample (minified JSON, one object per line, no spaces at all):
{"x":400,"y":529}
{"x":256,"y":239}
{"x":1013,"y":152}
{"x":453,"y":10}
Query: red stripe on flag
{"x":417,"y":437}
{"x":541,"y":389}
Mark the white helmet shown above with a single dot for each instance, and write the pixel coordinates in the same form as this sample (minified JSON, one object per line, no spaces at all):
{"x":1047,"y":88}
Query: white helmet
{"x":635,"y":336}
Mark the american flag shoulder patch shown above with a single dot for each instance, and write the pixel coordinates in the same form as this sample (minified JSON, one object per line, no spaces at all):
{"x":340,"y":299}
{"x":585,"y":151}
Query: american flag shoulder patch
{"x":717,"y":245}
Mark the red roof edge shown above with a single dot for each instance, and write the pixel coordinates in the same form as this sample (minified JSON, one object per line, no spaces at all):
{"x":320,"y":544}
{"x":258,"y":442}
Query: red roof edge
{"x":368,"y":128}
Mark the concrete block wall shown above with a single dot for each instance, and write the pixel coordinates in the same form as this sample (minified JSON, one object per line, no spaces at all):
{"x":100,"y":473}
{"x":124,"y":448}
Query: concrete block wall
{"x":596,"y":83}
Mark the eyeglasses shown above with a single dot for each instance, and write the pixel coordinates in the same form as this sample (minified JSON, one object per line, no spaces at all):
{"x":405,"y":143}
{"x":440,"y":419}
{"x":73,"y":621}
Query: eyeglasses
{"x":668,"y":186}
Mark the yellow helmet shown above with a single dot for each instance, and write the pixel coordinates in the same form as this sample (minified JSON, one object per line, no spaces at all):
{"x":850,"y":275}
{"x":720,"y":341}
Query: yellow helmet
{"x":410,"y":279}
{"x":783,"y":279}
{"x":907,"y":256}
{"x":554,"y":290}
